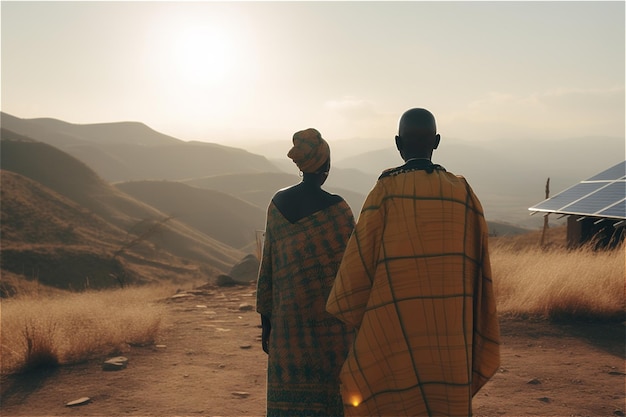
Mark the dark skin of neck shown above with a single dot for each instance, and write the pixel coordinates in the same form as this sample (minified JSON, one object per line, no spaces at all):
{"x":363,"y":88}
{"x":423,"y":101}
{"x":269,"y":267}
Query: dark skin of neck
{"x":304,"y":199}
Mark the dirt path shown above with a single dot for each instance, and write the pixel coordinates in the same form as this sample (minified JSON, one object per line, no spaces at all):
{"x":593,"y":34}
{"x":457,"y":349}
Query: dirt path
{"x":211,"y":364}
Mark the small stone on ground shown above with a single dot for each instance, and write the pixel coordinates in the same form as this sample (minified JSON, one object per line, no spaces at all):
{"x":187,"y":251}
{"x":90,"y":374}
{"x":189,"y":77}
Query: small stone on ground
{"x":80,"y":401}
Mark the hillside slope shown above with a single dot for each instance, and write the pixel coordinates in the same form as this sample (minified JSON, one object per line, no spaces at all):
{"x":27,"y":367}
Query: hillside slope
{"x":74,"y":180}
{"x":217,"y":214}
{"x":52,"y":240}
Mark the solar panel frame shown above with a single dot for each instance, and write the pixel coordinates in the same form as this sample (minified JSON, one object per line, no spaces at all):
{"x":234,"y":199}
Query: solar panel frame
{"x":602,"y":195}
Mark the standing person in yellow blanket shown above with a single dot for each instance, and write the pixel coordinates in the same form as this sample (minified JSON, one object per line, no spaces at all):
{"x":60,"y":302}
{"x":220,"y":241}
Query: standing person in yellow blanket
{"x":305,"y":237}
{"x":416,"y":283}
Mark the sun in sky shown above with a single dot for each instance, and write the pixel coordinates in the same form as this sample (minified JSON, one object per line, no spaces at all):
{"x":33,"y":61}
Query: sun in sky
{"x":202,"y":63}
{"x":196,"y":53}
{"x":202,"y":55}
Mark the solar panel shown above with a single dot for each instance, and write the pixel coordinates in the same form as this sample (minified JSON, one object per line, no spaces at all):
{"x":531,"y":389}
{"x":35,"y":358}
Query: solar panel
{"x":616,"y":210}
{"x":603,"y":195}
{"x":569,"y":196}
{"x":614,"y":173}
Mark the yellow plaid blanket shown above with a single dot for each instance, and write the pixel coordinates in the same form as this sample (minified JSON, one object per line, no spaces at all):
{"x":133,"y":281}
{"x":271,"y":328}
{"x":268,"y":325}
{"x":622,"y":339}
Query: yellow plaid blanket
{"x":416,"y":282}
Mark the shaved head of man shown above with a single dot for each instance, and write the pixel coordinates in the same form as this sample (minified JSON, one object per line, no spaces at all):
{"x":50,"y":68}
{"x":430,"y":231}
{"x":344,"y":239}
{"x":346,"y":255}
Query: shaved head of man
{"x":417,"y":134}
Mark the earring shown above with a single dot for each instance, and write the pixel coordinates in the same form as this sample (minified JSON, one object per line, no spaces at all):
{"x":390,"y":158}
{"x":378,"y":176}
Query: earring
{"x":301,"y":174}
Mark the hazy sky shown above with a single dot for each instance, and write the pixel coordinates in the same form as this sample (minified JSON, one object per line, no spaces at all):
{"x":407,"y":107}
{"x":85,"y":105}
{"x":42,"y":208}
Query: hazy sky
{"x":228,"y":71}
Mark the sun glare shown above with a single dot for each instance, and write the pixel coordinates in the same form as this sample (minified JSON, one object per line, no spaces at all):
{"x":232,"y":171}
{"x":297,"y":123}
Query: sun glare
{"x":204,"y":62}
{"x":203,"y":55}
{"x":191,"y":53}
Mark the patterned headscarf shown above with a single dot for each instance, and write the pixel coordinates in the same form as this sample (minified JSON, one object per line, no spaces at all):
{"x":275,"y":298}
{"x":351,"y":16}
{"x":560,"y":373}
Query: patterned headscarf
{"x":310,"y":151}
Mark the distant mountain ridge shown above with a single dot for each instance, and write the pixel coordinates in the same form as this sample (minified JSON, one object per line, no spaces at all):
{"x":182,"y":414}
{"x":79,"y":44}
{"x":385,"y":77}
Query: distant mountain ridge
{"x":60,"y":133}
{"x":132,"y":151}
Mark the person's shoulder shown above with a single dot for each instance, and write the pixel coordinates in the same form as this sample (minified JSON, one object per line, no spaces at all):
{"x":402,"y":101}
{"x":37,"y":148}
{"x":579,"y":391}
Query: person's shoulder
{"x":339,"y":205}
{"x":285,"y":194}
{"x":387,"y":172}
{"x":289,"y":189}
{"x":459,"y":177}
{"x":391,"y":172}
{"x":465,"y":183}
{"x":334,"y":198}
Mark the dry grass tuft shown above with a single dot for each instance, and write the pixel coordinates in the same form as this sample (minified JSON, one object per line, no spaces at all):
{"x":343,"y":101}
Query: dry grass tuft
{"x":39,"y":348}
{"x":557,"y":283}
{"x":48,"y":331}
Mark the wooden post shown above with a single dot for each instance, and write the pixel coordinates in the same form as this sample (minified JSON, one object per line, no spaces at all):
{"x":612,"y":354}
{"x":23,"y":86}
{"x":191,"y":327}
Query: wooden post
{"x":545,"y":216}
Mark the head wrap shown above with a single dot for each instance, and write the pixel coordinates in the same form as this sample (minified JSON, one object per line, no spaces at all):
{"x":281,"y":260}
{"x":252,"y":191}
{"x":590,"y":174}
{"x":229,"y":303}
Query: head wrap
{"x":310,"y":151}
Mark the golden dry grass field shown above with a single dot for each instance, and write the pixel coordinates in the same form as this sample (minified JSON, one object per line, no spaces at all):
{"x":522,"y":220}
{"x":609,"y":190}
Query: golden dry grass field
{"x":556,"y":283}
{"x":562,"y":322}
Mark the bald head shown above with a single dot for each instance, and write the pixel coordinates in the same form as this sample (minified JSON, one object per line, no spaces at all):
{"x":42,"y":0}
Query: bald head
{"x":417,"y":119}
{"x":417,"y":134}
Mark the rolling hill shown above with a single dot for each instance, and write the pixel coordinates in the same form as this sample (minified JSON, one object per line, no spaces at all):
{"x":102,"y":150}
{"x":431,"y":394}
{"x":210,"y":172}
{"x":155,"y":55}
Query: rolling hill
{"x":74,"y":181}
{"x":54,"y":241}
{"x":214,"y":213}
